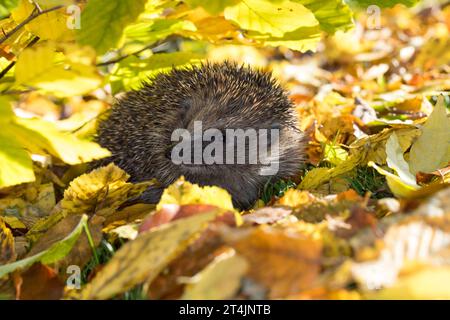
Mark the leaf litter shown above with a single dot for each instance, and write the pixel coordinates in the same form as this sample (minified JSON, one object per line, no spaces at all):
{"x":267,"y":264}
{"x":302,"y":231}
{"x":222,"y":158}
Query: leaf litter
{"x":367,"y":217}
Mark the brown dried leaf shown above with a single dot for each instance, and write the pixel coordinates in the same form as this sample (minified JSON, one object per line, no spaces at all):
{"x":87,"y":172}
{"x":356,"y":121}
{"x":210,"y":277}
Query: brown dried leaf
{"x":284,"y":262}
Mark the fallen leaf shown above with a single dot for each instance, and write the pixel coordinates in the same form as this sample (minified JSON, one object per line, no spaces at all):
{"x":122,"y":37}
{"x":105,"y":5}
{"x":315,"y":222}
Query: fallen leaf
{"x":183,"y":192}
{"x":41,"y":283}
{"x":219,"y":280}
{"x":431,"y":151}
{"x":7,"y":250}
{"x":423,"y":284}
{"x":395,"y":160}
{"x":144,"y":258}
{"x":266,"y":215}
{"x":53,"y":253}
{"x":284,"y":262}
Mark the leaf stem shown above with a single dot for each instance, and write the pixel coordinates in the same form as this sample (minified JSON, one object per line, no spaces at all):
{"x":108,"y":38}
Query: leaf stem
{"x":91,"y":243}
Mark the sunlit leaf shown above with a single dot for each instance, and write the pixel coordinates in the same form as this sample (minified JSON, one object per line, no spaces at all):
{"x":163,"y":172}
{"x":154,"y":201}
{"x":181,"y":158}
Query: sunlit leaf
{"x":272,"y":18}
{"x":319,"y":176}
{"x":103,"y":22}
{"x":132,"y":71}
{"x":47,"y":68}
{"x":219,"y":280}
{"x":214,"y":7}
{"x":99,"y":192}
{"x":183,"y":192}
{"x":396,"y":161}
{"x":48,"y":26}
{"x":332,"y":15}
{"x":431,"y":150}
{"x":398,"y":186}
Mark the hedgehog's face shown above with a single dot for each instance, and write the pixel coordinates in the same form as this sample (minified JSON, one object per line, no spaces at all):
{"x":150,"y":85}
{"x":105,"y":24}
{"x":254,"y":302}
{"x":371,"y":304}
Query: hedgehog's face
{"x":235,"y":149}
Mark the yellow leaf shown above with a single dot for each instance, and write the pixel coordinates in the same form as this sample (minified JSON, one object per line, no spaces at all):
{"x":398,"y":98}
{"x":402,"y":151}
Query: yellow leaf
{"x":273,"y":18}
{"x":430,"y":151}
{"x":99,"y":192}
{"x":427,"y":283}
{"x":7,"y":252}
{"x":42,"y":137}
{"x":301,"y":39}
{"x":48,"y":26}
{"x":219,"y":280}
{"x":213,"y":7}
{"x":145,"y":257}
{"x":183,"y":192}
{"x":14,"y":222}
{"x":16,"y":166}
{"x":318,"y":176}
{"x":398,"y":187}
{"x":57,"y":71}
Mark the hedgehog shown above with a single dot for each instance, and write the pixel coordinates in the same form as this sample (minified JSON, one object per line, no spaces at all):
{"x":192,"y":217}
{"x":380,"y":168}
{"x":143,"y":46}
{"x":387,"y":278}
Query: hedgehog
{"x":222,"y":98}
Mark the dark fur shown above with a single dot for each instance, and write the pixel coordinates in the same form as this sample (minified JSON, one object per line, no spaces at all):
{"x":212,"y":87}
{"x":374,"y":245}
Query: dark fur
{"x":139,"y":127}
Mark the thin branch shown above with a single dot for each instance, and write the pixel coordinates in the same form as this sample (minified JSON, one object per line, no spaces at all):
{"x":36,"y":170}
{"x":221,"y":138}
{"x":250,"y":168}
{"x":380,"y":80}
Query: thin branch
{"x":38,"y":7}
{"x":12,"y":63}
{"x":28,"y":20}
{"x":16,"y":92}
{"x":116,"y":60}
{"x":6,"y":70}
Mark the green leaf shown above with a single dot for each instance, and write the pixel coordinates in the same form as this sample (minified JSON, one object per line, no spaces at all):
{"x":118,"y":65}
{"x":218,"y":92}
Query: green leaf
{"x":149,"y":32}
{"x":132,"y":71}
{"x":302,"y":39}
{"x":431,"y":150}
{"x":334,"y":154}
{"x":273,"y":18}
{"x":381,"y":4}
{"x":6,"y":6}
{"x":332,"y":15}
{"x":103,"y":22}
{"x":56,"y":252}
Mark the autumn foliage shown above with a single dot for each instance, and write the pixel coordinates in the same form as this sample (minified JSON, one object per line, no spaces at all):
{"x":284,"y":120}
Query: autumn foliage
{"x":367,"y":217}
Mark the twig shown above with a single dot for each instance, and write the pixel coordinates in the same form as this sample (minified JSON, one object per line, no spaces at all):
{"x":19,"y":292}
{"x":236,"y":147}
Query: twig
{"x":9,"y":66}
{"x":116,"y":60}
{"x":38,"y":7}
{"x":28,"y":20}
